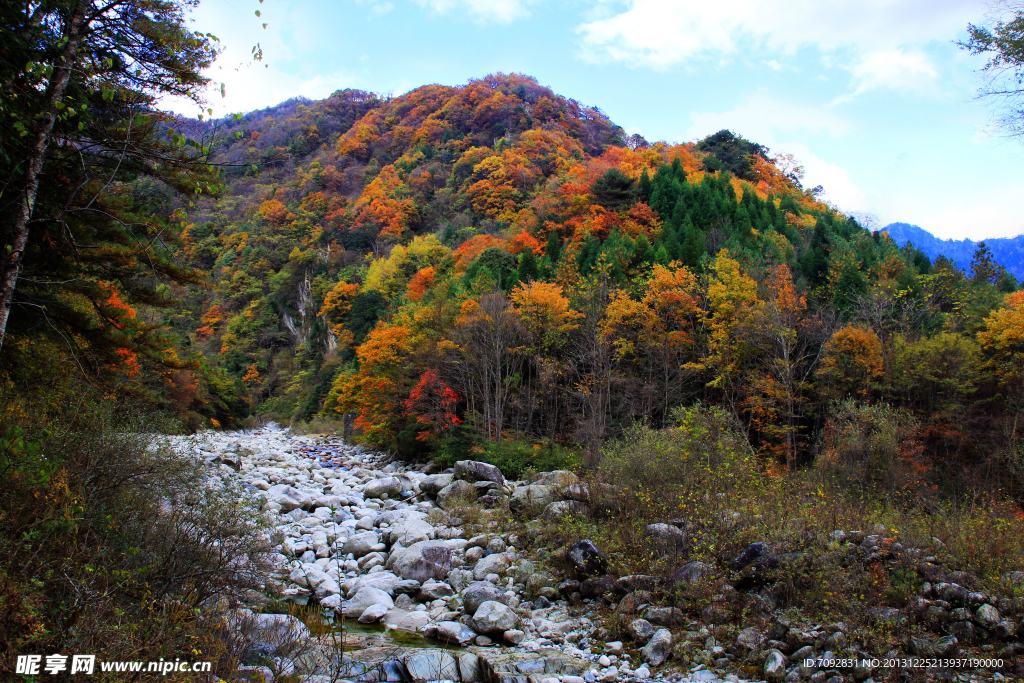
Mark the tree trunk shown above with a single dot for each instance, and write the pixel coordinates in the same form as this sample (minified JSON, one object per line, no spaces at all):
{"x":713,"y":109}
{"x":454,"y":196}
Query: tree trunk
{"x":23,"y":213}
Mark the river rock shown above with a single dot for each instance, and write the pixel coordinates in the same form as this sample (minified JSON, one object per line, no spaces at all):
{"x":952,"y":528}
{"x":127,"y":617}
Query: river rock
{"x":422,"y":560}
{"x":455,"y":633}
{"x":288,"y":497}
{"x":526,"y":497}
{"x":775,"y":666}
{"x":268,"y":633}
{"x":691,"y":573}
{"x":388,"y":487}
{"x":365,"y":597}
{"x":658,"y":648}
{"x":596,"y":586}
{"x":373,"y":614}
{"x":469,"y":667}
{"x":987,"y":616}
{"x":360,"y":544}
{"x":409,"y":531}
{"x":583,"y":560}
{"x":492,"y":564}
{"x":563,"y":508}
{"x":480,"y":592}
{"x":472,"y":470}
{"x":557,"y":478}
{"x":667,"y":538}
{"x":435,"y":482}
{"x":668,"y":617}
{"x":431,"y":665}
{"x":385,"y":581}
{"x":640,"y":630}
{"x":749,"y":554}
{"x":493,"y":617}
{"x":435,"y":590}
{"x":454,"y":493}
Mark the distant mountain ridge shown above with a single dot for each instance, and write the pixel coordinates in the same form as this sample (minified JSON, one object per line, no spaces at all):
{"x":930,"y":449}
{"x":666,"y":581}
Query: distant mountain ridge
{"x":1008,"y":251}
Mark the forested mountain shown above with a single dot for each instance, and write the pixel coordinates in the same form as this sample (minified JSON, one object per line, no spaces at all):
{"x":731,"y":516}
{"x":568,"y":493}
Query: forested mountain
{"x":459,"y":267}
{"x":1006,"y":251}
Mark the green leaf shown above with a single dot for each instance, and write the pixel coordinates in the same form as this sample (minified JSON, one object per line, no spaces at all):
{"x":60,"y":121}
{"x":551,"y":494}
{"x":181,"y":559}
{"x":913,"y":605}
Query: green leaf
{"x":257,"y":13}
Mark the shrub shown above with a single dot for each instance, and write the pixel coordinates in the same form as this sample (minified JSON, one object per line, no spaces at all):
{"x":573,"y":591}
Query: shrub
{"x":518,"y":459}
{"x":873,"y":447}
{"x":111,"y":542}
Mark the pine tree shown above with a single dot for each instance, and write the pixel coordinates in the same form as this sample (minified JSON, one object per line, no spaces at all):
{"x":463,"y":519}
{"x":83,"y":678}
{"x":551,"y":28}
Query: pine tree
{"x":529,"y":269}
{"x":644,"y":188}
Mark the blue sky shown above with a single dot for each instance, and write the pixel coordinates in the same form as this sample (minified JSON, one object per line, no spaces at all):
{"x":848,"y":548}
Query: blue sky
{"x":870,"y":96}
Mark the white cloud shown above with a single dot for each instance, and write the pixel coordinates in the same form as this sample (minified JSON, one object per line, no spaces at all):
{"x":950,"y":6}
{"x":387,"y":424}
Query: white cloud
{"x":908,"y":70}
{"x":771,"y":121}
{"x":878,"y":41}
{"x":762,"y":115}
{"x":380,"y":9}
{"x":839,"y":188}
{"x":252,"y":87}
{"x":485,"y":11}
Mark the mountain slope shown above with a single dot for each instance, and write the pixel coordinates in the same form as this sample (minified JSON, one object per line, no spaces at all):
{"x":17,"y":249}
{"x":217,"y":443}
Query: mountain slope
{"x":1007,"y":251}
{"x":461,"y":265}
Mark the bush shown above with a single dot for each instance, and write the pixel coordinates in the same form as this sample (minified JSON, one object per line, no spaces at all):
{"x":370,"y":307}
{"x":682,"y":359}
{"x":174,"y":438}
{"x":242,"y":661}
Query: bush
{"x":519,"y":459}
{"x":873,"y":447}
{"x":111,"y":542}
{"x":706,"y":451}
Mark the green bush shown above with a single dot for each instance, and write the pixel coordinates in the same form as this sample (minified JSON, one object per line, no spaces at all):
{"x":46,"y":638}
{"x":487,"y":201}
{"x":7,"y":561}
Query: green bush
{"x":519,"y":459}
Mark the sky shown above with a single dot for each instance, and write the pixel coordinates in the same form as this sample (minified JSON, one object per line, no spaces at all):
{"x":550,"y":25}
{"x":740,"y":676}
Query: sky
{"x":872,"y":97}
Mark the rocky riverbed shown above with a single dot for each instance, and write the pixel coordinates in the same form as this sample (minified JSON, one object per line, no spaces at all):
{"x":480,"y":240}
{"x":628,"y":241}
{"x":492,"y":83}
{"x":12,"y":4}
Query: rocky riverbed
{"x":380,"y":543}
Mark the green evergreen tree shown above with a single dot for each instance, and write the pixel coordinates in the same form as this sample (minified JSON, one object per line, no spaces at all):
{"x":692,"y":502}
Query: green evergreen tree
{"x":553,"y":248}
{"x":529,"y":269}
{"x":642,"y":251}
{"x":693,"y":247}
{"x":644,"y":188}
{"x":661,"y":255}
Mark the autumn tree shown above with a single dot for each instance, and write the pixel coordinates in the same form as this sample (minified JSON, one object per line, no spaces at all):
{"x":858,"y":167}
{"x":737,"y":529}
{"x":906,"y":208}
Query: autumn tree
{"x":1002,"y":341}
{"x":731,"y":298}
{"x":787,"y":345}
{"x":486,"y":357}
{"x":652,"y":336}
{"x":851,"y":363}
{"x":80,"y":82}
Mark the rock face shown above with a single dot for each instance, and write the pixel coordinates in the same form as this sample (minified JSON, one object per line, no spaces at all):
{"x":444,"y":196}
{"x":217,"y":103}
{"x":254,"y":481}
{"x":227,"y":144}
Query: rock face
{"x":472,"y":471}
{"x":421,"y":561}
{"x":583,"y":560}
{"x":431,"y":665}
